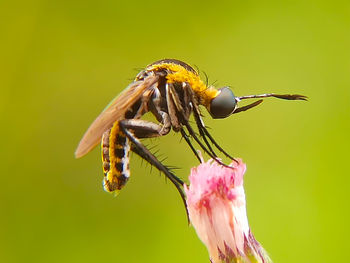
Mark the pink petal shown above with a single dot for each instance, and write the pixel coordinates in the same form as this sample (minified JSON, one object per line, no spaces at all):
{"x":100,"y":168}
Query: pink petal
{"x":217,"y":209}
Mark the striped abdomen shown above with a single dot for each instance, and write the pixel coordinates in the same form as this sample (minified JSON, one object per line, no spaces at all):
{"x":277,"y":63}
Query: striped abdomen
{"x":115,"y":157}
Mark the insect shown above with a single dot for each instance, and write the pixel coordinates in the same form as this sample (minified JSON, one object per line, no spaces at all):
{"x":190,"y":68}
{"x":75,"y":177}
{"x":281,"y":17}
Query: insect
{"x":172,"y":91}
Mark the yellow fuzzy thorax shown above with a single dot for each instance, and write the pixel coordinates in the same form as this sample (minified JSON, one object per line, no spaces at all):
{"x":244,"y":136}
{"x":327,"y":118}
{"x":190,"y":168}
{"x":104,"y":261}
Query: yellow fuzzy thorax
{"x":180,"y":74}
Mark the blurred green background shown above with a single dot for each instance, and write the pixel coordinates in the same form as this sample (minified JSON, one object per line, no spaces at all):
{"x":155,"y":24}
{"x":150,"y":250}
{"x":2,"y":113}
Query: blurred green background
{"x":62,"y":61}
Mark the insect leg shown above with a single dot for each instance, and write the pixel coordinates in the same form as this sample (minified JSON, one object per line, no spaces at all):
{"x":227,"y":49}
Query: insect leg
{"x":174,"y":106}
{"x":144,"y":129}
{"x":203,"y":129}
{"x":193,"y":134}
{"x":201,"y":126}
{"x":156,"y":110}
{"x":187,"y":139}
{"x":169,"y":120}
{"x":128,"y":125}
{"x":203,"y":132}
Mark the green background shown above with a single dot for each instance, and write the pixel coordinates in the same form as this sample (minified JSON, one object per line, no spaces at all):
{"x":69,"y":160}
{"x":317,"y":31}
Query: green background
{"x":61,"y":62}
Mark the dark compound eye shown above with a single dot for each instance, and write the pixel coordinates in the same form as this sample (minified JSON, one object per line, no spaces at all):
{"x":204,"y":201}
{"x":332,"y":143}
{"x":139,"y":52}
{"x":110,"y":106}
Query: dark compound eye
{"x":223,"y":105}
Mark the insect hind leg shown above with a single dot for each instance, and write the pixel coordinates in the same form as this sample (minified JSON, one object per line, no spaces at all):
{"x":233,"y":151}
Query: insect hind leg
{"x":147,"y":129}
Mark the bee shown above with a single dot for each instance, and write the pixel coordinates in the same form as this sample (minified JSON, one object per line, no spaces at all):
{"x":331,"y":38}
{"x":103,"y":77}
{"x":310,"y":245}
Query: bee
{"x":172,"y":91}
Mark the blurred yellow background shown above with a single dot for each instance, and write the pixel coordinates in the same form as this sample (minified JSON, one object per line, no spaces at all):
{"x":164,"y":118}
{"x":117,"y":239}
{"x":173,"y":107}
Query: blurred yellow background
{"x":62,"y":62}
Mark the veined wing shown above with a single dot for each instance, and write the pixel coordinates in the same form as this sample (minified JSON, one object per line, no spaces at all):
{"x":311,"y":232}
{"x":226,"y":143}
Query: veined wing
{"x":114,"y":111}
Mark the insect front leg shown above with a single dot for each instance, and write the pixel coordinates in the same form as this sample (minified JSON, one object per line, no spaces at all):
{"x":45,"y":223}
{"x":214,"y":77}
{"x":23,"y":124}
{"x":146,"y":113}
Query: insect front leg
{"x":175,"y":109}
{"x":177,"y":112}
{"x":203,"y":131}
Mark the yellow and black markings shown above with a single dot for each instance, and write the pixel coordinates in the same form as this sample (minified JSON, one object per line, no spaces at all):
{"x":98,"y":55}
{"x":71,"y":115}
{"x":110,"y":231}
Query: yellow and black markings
{"x":115,"y":157}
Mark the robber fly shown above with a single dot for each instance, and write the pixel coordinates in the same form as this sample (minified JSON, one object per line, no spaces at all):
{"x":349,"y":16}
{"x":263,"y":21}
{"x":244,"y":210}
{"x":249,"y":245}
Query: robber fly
{"x":171,"y":90}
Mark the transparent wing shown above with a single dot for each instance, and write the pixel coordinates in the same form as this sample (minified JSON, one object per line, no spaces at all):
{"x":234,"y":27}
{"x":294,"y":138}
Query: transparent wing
{"x":114,"y":111}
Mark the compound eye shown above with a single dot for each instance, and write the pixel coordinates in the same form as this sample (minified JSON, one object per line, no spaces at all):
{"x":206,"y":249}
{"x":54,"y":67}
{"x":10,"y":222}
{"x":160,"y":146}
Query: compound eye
{"x":223,"y":105}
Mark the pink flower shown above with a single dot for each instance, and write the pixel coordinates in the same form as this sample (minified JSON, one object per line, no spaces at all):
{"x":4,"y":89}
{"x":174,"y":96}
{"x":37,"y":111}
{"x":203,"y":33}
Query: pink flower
{"x":217,"y":210}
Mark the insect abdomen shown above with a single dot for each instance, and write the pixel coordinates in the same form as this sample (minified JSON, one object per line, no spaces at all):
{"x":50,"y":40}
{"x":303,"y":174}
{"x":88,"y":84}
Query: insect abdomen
{"x":115,"y":157}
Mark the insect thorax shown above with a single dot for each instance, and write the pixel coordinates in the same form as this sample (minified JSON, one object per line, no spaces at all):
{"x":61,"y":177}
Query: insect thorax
{"x":179,"y":73}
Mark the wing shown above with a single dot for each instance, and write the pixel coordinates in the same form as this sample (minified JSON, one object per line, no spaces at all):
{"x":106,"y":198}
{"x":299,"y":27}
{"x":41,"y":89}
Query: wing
{"x":114,"y":111}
